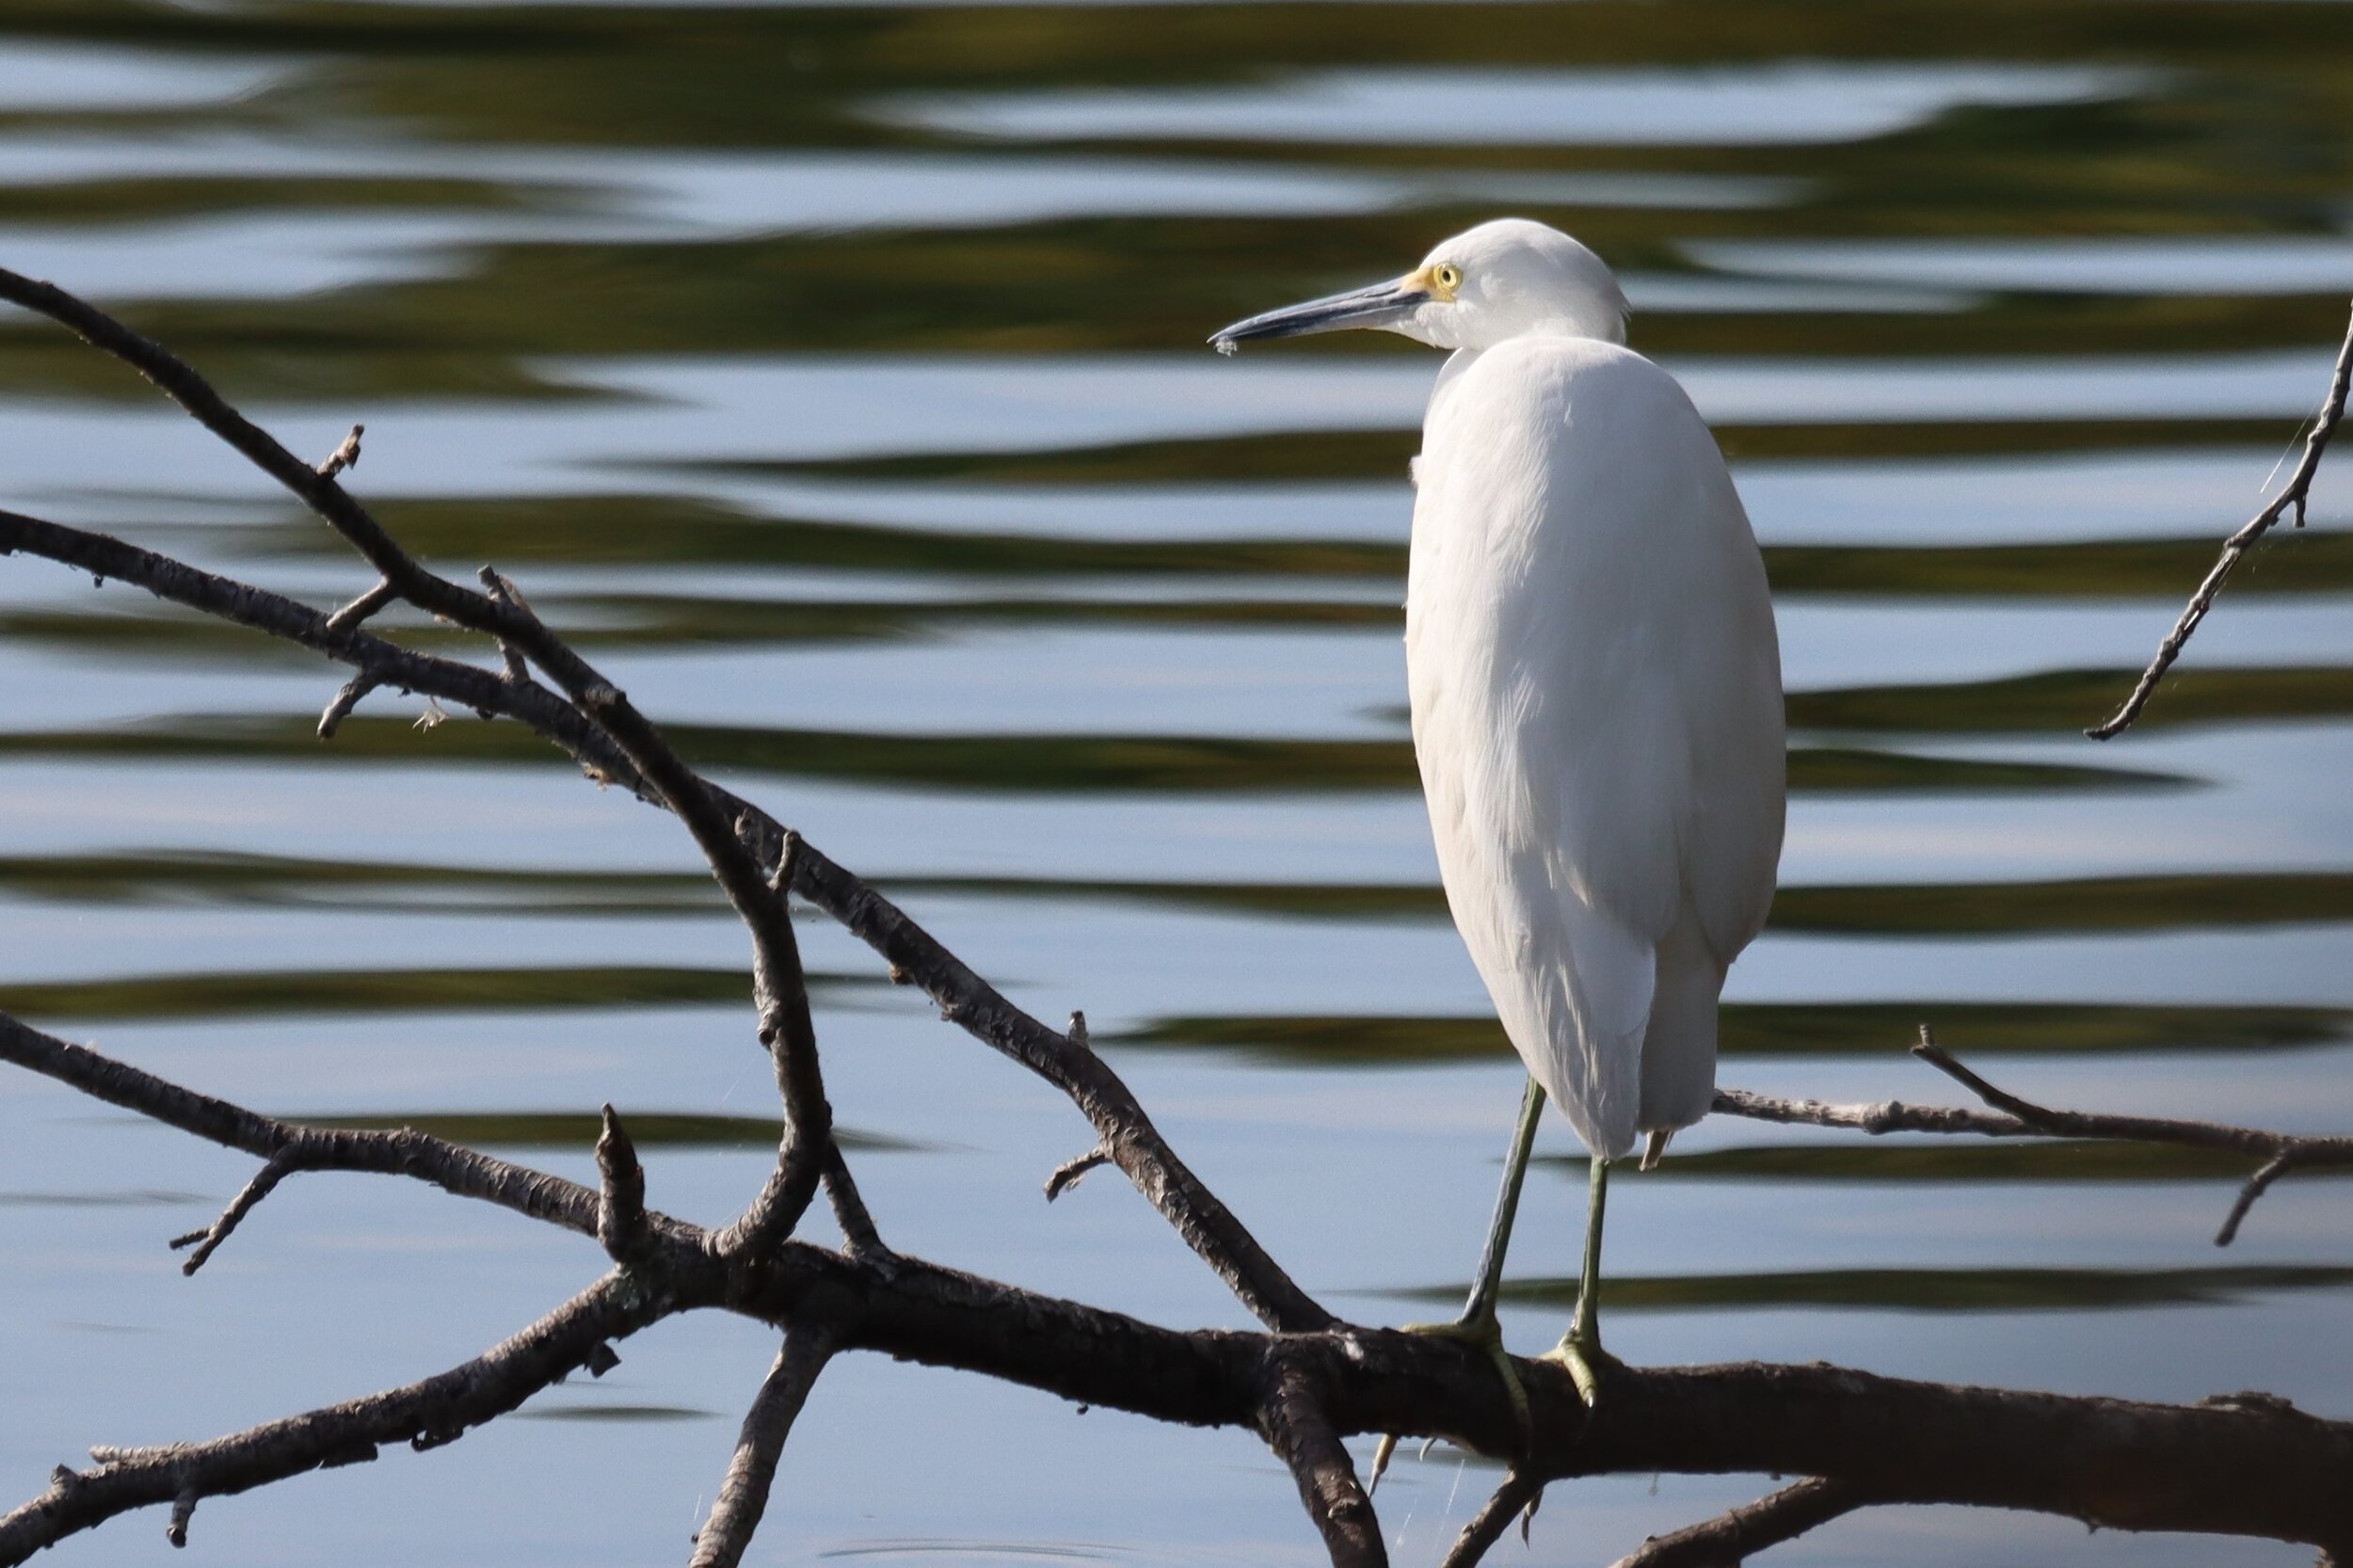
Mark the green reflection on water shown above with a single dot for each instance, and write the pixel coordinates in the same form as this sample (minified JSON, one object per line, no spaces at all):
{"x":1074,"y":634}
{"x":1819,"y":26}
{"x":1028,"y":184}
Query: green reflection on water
{"x":2227,"y":120}
{"x":1783,"y":1030}
{"x":1985,"y":1289}
{"x":374,"y":992}
{"x":165,"y":878}
{"x":1952,"y":1159}
{"x":1046,"y":763}
{"x":2241,"y":124}
{"x":2120,"y":568}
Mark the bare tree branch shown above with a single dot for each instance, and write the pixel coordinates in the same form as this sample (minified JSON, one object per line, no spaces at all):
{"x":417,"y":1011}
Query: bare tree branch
{"x":434,"y":1411}
{"x":207,"y":1241}
{"x":1510,"y":1500}
{"x":344,"y":457}
{"x":1728,"y":1540}
{"x":290,"y":1148}
{"x":849,"y":1210}
{"x":2245,"y":1463}
{"x":391,"y":664}
{"x":345,"y":698}
{"x":316,"y":486}
{"x":1073,"y":1171}
{"x":1137,"y":1147}
{"x":2296,"y":493}
{"x":744,"y":1491}
{"x":621,"y":1193}
{"x":2013,"y":1117}
{"x":359,"y":609}
{"x":1212,"y":1230}
{"x":1299,"y":1430}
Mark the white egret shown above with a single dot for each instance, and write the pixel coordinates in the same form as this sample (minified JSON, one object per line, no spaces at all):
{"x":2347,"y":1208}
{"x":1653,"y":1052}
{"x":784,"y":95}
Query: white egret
{"x":1597,"y":699}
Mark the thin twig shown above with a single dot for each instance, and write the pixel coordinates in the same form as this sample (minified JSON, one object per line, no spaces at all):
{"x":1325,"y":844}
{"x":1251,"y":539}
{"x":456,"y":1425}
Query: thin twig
{"x":2278,"y":1151}
{"x":181,"y":382}
{"x":426,"y":1414}
{"x":406,"y":1152}
{"x":338,"y":708}
{"x":1073,"y":1171}
{"x":2295,"y":494}
{"x":1200,"y":1218}
{"x":621,"y":1193}
{"x":346,"y":455}
{"x":1726,"y":1540}
{"x":1121,"y":1124}
{"x":858,"y":1231}
{"x":350,"y":616}
{"x":390,"y":663}
{"x":1514,"y":1498}
{"x":1875,"y":1117}
{"x":2254,"y":1187}
{"x":752,"y":1471}
{"x":2013,"y":1117}
{"x":206,"y":1241}
{"x":510,"y":657}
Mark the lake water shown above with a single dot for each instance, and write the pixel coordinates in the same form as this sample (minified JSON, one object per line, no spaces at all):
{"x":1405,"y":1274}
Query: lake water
{"x":835,"y":375}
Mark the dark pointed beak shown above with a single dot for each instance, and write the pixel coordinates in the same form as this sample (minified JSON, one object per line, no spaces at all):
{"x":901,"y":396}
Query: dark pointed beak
{"x":1384,"y":306}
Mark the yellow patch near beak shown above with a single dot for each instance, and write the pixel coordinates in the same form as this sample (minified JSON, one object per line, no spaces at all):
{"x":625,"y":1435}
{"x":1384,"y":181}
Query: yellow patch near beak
{"x":1439,"y":280}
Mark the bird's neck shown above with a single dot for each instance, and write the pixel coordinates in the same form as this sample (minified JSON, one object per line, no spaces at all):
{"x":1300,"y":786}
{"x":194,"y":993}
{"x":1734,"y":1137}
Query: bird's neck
{"x":1456,"y":362}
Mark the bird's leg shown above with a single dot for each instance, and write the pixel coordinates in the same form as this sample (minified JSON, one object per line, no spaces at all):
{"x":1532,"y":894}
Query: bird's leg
{"x":1580,"y":1348}
{"x":1478,"y":1326}
{"x":1479,"y":1311}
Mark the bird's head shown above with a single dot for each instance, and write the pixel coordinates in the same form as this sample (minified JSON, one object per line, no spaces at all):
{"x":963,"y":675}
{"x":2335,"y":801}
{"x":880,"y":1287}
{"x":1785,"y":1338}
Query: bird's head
{"x":1505,"y":278}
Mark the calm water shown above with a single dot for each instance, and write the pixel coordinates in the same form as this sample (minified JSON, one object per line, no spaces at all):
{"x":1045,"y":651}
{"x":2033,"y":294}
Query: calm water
{"x":835,"y":375}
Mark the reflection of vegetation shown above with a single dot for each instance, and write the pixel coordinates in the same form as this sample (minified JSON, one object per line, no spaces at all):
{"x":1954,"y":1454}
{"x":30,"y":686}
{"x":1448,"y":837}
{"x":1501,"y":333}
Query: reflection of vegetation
{"x":1028,"y":763}
{"x":1921,"y":1289}
{"x":1357,"y":455}
{"x":1952,"y":1159}
{"x":2236,"y":899}
{"x":1784,"y":1030}
{"x":689,"y":531}
{"x":200,"y":196}
{"x":578,"y":1130}
{"x":2238,"y":123}
{"x":374,"y":992}
{"x":2218,"y":899}
{"x":2060,"y":699}
{"x":165,"y":877}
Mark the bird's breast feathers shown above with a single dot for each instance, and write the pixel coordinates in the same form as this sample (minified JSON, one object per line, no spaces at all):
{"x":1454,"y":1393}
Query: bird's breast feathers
{"x":1594,"y":674}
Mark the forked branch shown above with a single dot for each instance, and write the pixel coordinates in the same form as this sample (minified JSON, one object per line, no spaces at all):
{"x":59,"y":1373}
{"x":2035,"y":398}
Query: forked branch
{"x":2296,"y":495}
{"x":2275,"y":1153}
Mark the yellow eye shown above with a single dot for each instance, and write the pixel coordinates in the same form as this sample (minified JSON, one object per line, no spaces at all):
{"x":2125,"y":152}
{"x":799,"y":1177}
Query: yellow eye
{"x":1446,"y":276}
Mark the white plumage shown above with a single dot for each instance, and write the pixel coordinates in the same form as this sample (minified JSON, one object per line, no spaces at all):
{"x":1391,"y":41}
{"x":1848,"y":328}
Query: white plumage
{"x":1596,"y":694}
{"x":1597,"y":715}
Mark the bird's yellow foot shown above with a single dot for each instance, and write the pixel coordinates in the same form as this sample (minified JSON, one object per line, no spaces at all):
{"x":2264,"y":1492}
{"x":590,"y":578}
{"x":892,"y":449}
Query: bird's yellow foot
{"x":1484,"y":1335}
{"x":1586,"y":1361}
